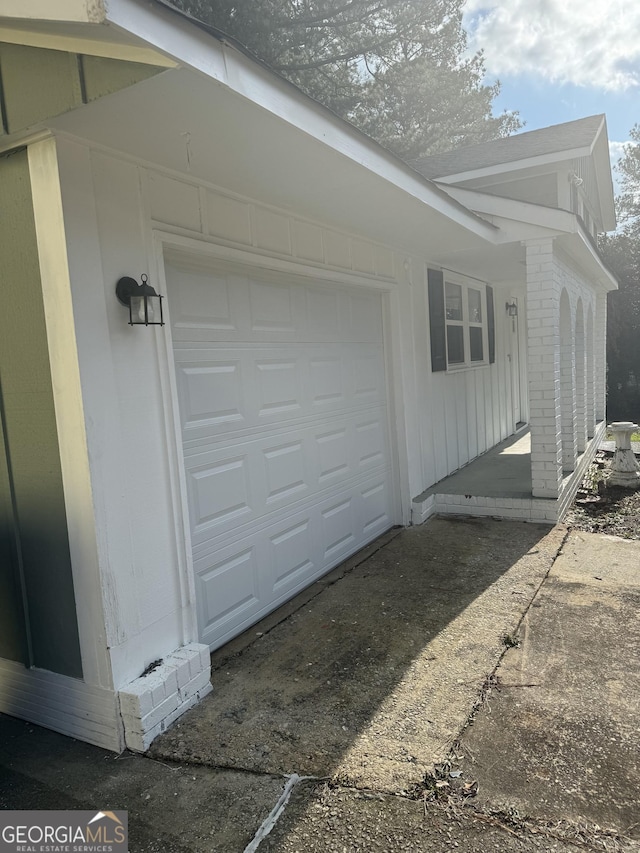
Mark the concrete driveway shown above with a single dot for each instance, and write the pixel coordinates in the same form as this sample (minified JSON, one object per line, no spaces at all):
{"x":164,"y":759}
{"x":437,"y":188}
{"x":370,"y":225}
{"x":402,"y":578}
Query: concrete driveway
{"x":468,"y":684}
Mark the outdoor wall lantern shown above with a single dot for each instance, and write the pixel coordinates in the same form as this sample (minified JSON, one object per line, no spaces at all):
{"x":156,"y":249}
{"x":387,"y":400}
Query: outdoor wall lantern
{"x":512,"y":309}
{"x":144,"y":304}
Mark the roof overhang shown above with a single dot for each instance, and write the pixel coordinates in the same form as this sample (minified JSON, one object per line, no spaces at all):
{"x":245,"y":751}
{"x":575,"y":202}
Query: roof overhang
{"x":67,"y":11}
{"x":210,"y":135}
{"x":520,"y":221}
{"x":602,"y":165}
{"x":597,"y":151}
{"x":76,"y":26}
{"x":249,"y":129}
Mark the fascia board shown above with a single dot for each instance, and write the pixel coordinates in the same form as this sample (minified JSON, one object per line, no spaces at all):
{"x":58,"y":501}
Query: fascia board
{"x":90,"y":40}
{"x":580,"y":248}
{"x":602,"y":165}
{"x":78,"y":11}
{"x":518,"y":211}
{"x":512,"y":231}
{"x":553,"y":159}
{"x":195,"y":49}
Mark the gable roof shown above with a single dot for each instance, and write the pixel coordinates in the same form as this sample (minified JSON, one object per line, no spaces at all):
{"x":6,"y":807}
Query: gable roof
{"x":569,"y":136}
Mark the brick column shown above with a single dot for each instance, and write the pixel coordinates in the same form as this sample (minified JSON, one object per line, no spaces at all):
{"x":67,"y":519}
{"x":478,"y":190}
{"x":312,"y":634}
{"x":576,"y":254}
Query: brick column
{"x":600,"y":346}
{"x":543,"y":353}
{"x":568,"y":386}
{"x":581,"y":381}
{"x":591,"y":377}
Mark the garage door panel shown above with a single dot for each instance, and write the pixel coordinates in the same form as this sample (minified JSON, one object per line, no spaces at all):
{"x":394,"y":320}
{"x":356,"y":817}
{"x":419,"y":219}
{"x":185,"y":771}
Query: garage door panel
{"x":262,"y":386}
{"x":293,"y":555}
{"x":326,"y":380}
{"x":206,"y":304}
{"x":220,"y":492}
{"x":338,"y":527}
{"x":333,"y":453}
{"x":370,"y":443}
{"x":365,"y":315}
{"x":276,"y":308}
{"x":241,"y":480}
{"x":368,"y":377}
{"x":280,"y":383}
{"x":231,"y":306}
{"x":228,"y":592}
{"x":323,"y":310}
{"x":282,"y":396}
{"x":210,"y":394}
{"x":286,"y":471}
{"x":375,"y":502}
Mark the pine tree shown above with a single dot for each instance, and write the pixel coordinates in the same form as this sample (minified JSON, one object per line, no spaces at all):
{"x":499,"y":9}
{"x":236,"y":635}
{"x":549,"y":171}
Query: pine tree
{"x":396,"y":69}
{"x":621,"y":251}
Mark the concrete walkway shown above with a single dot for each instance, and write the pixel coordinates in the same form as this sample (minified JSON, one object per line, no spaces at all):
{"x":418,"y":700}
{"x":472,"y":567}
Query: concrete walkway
{"x":398,"y":684}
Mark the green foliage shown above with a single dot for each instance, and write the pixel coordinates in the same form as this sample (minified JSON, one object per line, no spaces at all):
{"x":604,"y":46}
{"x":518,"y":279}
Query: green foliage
{"x":621,"y":252}
{"x":628,"y":202}
{"x":394,"y":68}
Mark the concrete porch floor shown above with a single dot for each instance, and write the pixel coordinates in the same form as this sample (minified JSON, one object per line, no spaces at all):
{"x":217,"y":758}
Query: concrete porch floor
{"x":497,"y":484}
{"x":502,"y":472}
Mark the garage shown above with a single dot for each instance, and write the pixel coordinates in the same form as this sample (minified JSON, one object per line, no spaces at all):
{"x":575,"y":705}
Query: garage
{"x":282,"y":399}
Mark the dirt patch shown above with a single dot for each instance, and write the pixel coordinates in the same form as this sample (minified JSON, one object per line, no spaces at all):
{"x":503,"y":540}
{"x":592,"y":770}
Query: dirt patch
{"x":369,"y":682}
{"x":600,"y":508}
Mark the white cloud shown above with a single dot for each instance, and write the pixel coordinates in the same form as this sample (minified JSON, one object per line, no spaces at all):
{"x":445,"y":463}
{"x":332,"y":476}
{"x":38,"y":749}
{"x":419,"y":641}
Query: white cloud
{"x":616,"y":150}
{"x":584,"y":42}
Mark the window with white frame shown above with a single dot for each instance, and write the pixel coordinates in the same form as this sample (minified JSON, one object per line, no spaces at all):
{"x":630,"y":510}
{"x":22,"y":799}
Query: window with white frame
{"x":461,"y":322}
{"x":466,"y":324}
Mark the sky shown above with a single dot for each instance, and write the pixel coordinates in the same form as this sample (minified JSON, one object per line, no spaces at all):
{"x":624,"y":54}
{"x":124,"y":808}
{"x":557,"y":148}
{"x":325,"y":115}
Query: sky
{"x":559,"y":60}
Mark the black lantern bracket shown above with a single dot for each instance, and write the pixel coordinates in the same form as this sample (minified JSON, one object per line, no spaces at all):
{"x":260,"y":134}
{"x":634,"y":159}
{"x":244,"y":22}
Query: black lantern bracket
{"x":144,"y":304}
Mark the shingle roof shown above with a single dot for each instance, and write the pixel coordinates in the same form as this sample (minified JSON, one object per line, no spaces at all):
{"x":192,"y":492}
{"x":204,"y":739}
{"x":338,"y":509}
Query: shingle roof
{"x":534,"y":143}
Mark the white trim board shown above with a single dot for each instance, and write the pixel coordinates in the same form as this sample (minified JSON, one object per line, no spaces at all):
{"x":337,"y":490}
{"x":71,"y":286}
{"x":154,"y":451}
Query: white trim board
{"x":184,"y":247}
{"x":64,"y":704}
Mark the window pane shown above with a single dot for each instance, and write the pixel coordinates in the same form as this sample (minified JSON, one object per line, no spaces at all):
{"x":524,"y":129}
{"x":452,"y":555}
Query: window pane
{"x":454,"y":301}
{"x":475,"y":340}
{"x":455,"y":345}
{"x":475,"y":306}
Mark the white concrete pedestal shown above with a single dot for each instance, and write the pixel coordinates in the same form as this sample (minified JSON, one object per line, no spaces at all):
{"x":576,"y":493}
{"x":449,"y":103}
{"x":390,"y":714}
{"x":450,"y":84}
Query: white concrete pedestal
{"x":625,"y":470}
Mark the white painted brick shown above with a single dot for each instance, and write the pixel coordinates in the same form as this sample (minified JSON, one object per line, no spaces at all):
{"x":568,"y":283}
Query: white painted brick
{"x":136,"y":700}
{"x":205,"y":656}
{"x":138,"y":742}
{"x":167,"y":683}
{"x":187,"y":661}
{"x":135,"y":741}
{"x":483,"y":511}
{"x":154,"y":717}
{"x":184,"y":707}
{"x":182,"y":671}
{"x":195,"y":685}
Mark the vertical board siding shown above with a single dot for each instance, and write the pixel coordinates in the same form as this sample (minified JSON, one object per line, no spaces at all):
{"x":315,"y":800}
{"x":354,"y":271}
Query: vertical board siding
{"x":39,"y":83}
{"x":458,"y":414}
{"x":468,"y":411}
{"x":31,"y":441}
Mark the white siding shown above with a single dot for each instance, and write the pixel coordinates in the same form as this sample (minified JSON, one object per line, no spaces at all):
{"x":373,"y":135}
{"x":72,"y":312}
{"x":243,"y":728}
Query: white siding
{"x":439,"y":422}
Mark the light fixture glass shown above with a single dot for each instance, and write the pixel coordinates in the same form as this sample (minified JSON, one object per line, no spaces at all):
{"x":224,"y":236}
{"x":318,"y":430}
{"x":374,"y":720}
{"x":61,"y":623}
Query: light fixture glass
{"x":144,"y":304}
{"x":512,"y":309}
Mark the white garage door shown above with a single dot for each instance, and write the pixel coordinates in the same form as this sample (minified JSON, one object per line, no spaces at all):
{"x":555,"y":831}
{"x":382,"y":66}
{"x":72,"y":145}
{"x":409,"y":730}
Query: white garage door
{"x":281,"y":387}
